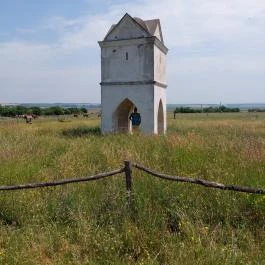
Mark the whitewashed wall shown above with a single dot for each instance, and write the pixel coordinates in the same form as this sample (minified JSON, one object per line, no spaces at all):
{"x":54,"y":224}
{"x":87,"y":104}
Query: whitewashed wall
{"x":141,"y":95}
{"x":138,"y":67}
{"x":133,"y":66}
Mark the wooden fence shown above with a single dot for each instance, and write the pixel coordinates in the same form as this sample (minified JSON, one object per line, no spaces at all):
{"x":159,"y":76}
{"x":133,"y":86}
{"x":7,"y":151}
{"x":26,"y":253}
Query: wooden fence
{"x":127,"y":169}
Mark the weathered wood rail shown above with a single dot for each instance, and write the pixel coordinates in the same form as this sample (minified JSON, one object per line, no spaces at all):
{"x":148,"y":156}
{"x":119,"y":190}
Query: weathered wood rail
{"x":206,"y":183}
{"x":127,"y":169}
{"x":61,"y":182}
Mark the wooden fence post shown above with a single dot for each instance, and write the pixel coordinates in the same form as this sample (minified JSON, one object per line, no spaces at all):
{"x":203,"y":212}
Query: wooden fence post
{"x":128,"y":178}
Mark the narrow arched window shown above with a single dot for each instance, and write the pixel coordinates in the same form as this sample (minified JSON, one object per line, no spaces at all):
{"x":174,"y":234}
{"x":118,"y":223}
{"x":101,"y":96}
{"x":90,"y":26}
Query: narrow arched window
{"x":126,"y":56}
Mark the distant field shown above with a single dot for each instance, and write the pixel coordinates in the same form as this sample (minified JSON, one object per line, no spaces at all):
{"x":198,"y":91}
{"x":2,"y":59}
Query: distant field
{"x":167,"y":223}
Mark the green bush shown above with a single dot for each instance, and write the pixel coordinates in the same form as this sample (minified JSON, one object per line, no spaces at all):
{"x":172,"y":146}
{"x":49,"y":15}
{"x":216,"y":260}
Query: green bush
{"x":206,"y":110}
{"x":12,"y":111}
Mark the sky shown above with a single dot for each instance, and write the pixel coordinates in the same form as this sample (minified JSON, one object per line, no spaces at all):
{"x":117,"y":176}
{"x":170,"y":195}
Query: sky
{"x":49,"y":50}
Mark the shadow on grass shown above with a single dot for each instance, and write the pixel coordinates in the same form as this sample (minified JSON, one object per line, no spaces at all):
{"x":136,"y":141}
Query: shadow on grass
{"x":81,"y":131}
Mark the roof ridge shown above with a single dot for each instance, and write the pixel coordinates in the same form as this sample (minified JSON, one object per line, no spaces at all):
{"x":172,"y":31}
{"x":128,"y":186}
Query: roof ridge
{"x":149,"y":26}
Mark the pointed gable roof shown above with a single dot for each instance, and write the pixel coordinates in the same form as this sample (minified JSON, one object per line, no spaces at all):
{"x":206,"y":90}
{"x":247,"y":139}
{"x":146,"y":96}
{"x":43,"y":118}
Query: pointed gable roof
{"x":154,"y":28}
{"x":142,"y":28}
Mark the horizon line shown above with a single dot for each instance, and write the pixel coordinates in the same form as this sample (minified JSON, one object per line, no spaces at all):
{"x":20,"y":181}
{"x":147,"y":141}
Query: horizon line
{"x":97,"y":103}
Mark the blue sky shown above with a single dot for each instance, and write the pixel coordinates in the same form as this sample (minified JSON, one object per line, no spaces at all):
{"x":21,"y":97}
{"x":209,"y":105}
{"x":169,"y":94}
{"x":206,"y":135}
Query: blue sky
{"x":49,"y":50}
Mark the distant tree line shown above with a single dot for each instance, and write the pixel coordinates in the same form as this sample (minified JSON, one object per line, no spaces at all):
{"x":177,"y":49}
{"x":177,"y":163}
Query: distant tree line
{"x":256,"y":110}
{"x":206,"y":110}
{"x":12,"y":111}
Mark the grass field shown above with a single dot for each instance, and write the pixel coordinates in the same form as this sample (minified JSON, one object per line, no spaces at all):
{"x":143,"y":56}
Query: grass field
{"x":167,"y":222}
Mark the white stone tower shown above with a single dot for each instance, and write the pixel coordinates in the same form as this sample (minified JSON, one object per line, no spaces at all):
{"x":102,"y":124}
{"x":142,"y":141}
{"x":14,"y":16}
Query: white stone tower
{"x":133,"y":65}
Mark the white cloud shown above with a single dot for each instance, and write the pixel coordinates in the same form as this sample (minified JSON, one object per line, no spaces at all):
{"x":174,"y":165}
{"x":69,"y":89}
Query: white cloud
{"x":184,"y":22}
{"x":220,"y":64}
{"x":91,"y":29}
{"x":235,"y":27}
{"x":28,"y":74}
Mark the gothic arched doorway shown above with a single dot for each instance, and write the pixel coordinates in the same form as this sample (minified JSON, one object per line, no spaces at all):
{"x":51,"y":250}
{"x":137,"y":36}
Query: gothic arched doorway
{"x":121,"y":122}
{"x":160,"y":119}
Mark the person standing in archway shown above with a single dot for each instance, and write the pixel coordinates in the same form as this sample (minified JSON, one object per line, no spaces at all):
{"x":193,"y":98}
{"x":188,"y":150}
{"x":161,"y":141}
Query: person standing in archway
{"x":135,"y":118}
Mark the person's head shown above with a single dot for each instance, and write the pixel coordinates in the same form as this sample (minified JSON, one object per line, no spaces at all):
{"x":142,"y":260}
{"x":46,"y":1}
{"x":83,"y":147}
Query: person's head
{"x":135,"y":109}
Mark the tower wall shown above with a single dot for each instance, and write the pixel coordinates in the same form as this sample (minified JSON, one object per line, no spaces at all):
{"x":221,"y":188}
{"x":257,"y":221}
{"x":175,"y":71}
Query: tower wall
{"x":142,"y":96}
{"x":133,"y":67}
{"x":160,"y":95}
{"x":127,"y":61}
{"x":159,"y":65}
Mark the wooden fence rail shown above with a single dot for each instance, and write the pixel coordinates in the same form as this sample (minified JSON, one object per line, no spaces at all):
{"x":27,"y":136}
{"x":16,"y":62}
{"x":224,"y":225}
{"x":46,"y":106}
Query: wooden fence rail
{"x":61,"y":182}
{"x":206,"y":183}
{"x":127,"y":169}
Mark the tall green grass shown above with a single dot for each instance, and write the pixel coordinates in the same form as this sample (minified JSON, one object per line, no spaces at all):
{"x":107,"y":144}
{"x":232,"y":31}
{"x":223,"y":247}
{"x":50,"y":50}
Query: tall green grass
{"x":166,"y":223}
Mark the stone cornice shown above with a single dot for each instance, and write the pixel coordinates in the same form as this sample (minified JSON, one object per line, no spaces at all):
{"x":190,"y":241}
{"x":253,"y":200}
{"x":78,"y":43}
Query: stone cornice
{"x":147,"y":82}
{"x":135,"y":41}
{"x":160,"y":45}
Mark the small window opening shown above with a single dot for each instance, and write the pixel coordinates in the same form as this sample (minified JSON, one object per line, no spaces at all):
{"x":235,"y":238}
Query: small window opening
{"x":127,"y":56}
{"x":113,"y":50}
